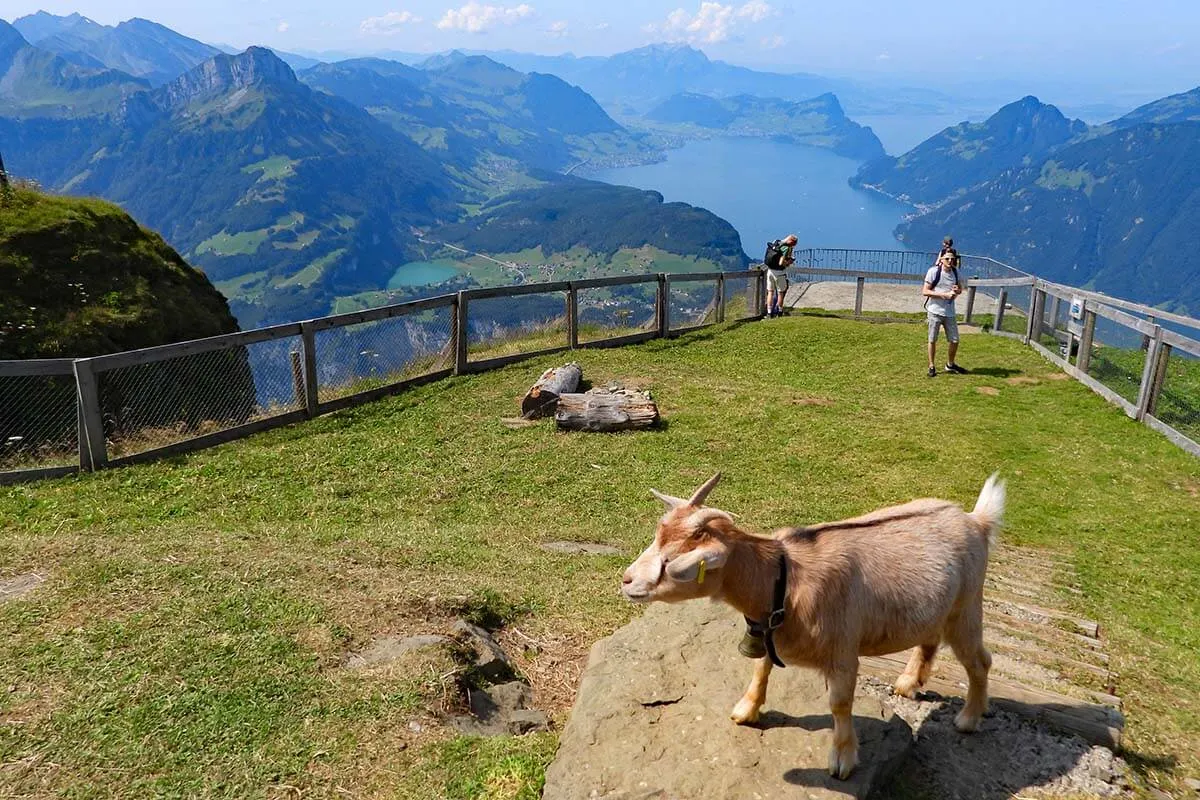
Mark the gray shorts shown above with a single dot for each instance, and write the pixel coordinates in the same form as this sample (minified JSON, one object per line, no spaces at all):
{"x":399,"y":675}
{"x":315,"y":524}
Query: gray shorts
{"x":777,"y":280}
{"x":949,"y":323}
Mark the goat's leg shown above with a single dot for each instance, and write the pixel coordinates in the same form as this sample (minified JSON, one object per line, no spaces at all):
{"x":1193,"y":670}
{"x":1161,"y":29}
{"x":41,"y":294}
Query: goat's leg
{"x":843,"y":756}
{"x":966,"y":639}
{"x":746,"y":710}
{"x":920,"y":664}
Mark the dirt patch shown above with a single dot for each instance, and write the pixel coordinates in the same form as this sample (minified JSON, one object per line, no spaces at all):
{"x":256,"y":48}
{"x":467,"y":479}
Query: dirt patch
{"x":811,"y":401}
{"x":1057,"y":376}
{"x":1022,"y":380}
{"x":1009,"y":756}
{"x":552,"y":663}
{"x":21,"y":585}
{"x":990,"y":391}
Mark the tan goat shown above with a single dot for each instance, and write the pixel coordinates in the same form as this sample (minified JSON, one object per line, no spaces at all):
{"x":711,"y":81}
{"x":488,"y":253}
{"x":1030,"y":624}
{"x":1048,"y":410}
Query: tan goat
{"x":901,"y":577}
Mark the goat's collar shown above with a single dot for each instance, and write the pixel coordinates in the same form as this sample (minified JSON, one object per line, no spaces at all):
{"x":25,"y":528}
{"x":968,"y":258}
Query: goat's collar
{"x":765,"y":630}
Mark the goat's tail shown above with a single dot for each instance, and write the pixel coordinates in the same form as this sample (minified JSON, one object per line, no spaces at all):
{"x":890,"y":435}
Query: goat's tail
{"x":989,"y":509}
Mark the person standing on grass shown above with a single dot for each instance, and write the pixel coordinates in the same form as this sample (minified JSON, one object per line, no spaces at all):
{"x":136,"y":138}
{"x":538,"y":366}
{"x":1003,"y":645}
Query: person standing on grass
{"x":942,"y":285}
{"x":780,"y":256}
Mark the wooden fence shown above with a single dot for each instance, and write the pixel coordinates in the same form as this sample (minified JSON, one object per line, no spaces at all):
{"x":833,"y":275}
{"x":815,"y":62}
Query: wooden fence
{"x":135,"y":406}
{"x":91,"y":413}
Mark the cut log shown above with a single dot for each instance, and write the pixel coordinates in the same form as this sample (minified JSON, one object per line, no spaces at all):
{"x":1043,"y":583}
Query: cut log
{"x":609,"y":409}
{"x":542,"y":399}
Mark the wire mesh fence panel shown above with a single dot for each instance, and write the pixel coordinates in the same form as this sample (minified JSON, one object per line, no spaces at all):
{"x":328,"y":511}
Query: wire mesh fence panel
{"x":1117,"y":358}
{"x":507,"y":326}
{"x":741,"y":298}
{"x":1055,"y":314}
{"x":148,"y":406}
{"x":369,"y":355}
{"x":1178,"y":403}
{"x":1016,"y":309}
{"x":38,"y":422}
{"x":612,"y":311}
{"x":692,"y":303}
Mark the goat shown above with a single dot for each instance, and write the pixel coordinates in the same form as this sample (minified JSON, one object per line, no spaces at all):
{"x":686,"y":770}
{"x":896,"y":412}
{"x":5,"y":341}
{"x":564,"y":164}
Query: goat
{"x":909,"y":576}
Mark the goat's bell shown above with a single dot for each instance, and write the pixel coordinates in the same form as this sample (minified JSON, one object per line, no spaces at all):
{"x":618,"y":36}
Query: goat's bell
{"x":752,"y":646}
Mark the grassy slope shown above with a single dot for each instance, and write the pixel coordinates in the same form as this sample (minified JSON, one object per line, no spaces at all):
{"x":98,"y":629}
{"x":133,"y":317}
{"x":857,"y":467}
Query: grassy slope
{"x":189,"y":636}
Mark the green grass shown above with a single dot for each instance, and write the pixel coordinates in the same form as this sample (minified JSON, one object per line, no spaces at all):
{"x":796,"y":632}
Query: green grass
{"x":245,"y":243}
{"x":190,"y":636}
{"x":273,"y":168}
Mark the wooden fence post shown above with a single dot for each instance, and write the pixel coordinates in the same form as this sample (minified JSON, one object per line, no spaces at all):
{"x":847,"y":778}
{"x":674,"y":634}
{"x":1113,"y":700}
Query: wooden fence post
{"x":721,"y":299}
{"x":661,"y":302}
{"x":1084,"y":359}
{"x":666,"y":306}
{"x":1160,"y":377}
{"x":1001,"y":302}
{"x":1036,"y":304}
{"x":760,"y":290}
{"x":970,"y":303}
{"x":460,"y":334}
{"x":572,"y":317}
{"x":858,"y":295}
{"x":309,"y":339}
{"x":91,"y":439}
{"x":1149,"y":373}
{"x":1053,"y":315}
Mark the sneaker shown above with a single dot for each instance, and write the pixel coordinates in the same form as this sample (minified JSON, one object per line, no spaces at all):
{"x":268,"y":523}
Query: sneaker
{"x":933,"y":372}
{"x":956,"y":369}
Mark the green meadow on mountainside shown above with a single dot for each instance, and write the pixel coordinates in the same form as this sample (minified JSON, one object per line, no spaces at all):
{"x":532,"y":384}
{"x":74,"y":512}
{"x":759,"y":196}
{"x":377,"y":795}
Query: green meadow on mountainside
{"x":192,"y":632}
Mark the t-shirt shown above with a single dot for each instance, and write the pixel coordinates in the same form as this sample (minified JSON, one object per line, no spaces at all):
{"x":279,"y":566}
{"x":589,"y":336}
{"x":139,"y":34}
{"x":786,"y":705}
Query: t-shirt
{"x":938,"y":306}
{"x":786,"y":255}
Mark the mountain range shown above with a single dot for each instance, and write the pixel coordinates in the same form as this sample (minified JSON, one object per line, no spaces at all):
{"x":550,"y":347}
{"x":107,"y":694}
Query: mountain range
{"x":291,"y":193}
{"x":819,"y":122}
{"x":1112,"y":207}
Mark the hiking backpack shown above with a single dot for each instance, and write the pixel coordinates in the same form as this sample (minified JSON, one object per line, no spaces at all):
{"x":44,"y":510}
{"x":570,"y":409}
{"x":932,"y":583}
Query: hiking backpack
{"x":774,"y":256}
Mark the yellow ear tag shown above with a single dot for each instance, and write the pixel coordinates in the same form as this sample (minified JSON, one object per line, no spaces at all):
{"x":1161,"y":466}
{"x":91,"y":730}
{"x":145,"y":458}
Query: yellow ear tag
{"x":700,"y":574}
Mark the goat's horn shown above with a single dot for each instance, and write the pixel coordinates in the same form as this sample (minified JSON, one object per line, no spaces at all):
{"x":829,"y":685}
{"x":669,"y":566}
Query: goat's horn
{"x":668,"y":500}
{"x":703,"y":491}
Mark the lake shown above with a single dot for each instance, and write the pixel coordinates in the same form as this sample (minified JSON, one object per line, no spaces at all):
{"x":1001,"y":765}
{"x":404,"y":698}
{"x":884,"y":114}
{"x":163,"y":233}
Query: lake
{"x":768,"y":189}
{"x":422,"y":273}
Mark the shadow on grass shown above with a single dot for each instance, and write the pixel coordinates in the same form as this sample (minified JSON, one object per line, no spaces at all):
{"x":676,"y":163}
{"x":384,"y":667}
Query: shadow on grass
{"x":994,"y":372}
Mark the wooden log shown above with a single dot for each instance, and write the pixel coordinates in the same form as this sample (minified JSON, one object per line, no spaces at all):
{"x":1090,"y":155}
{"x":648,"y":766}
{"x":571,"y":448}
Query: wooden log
{"x":542,"y":399}
{"x":610,"y":409}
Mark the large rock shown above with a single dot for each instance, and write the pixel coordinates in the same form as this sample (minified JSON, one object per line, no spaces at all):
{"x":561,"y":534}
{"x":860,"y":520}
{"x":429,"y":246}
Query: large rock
{"x":652,"y":721}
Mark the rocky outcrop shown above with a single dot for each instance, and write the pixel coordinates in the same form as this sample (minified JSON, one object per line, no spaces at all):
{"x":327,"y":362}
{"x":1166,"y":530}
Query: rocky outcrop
{"x":652,"y":721}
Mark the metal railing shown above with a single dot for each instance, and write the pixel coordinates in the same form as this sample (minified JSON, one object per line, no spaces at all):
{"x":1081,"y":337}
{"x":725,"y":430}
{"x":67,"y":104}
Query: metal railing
{"x":65,"y":415}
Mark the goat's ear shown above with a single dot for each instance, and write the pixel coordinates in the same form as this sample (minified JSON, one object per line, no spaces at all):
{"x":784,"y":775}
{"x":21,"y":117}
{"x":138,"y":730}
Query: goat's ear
{"x":668,"y":500}
{"x":688,"y":566}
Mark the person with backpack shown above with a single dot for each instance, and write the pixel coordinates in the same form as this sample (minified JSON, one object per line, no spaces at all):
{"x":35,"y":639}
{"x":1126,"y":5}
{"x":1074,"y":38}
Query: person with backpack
{"x":780,"y":255}
{"x":942,"y":285}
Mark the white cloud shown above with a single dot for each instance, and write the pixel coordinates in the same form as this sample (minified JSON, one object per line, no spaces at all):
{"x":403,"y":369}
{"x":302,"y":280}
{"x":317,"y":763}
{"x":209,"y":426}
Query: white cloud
{"x":389,"y":24}
{"x":475,"y":17}
{"x":283,"y":27}
{"x":773,"y":42}
{"x":560,"y":29}
{"x":756,"y":11}
{"x":601,"y":26}
{"x":712,"y":23}
{"x":883,"y":57}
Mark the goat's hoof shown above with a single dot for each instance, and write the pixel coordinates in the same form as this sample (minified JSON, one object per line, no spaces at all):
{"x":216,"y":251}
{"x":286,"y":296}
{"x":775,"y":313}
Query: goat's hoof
{"x":842,"y":762}
{"x":744,"y":713}
{"x":906,"y":686}
{"x":966,"y":723}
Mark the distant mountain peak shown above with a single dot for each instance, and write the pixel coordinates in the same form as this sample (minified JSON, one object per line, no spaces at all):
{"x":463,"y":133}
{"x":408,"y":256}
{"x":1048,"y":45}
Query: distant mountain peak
{"x":225,"y":73}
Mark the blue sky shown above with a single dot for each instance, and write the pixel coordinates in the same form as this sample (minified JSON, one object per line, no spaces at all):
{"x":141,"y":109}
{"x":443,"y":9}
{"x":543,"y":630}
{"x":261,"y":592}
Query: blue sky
{"x":1102,"y":42}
